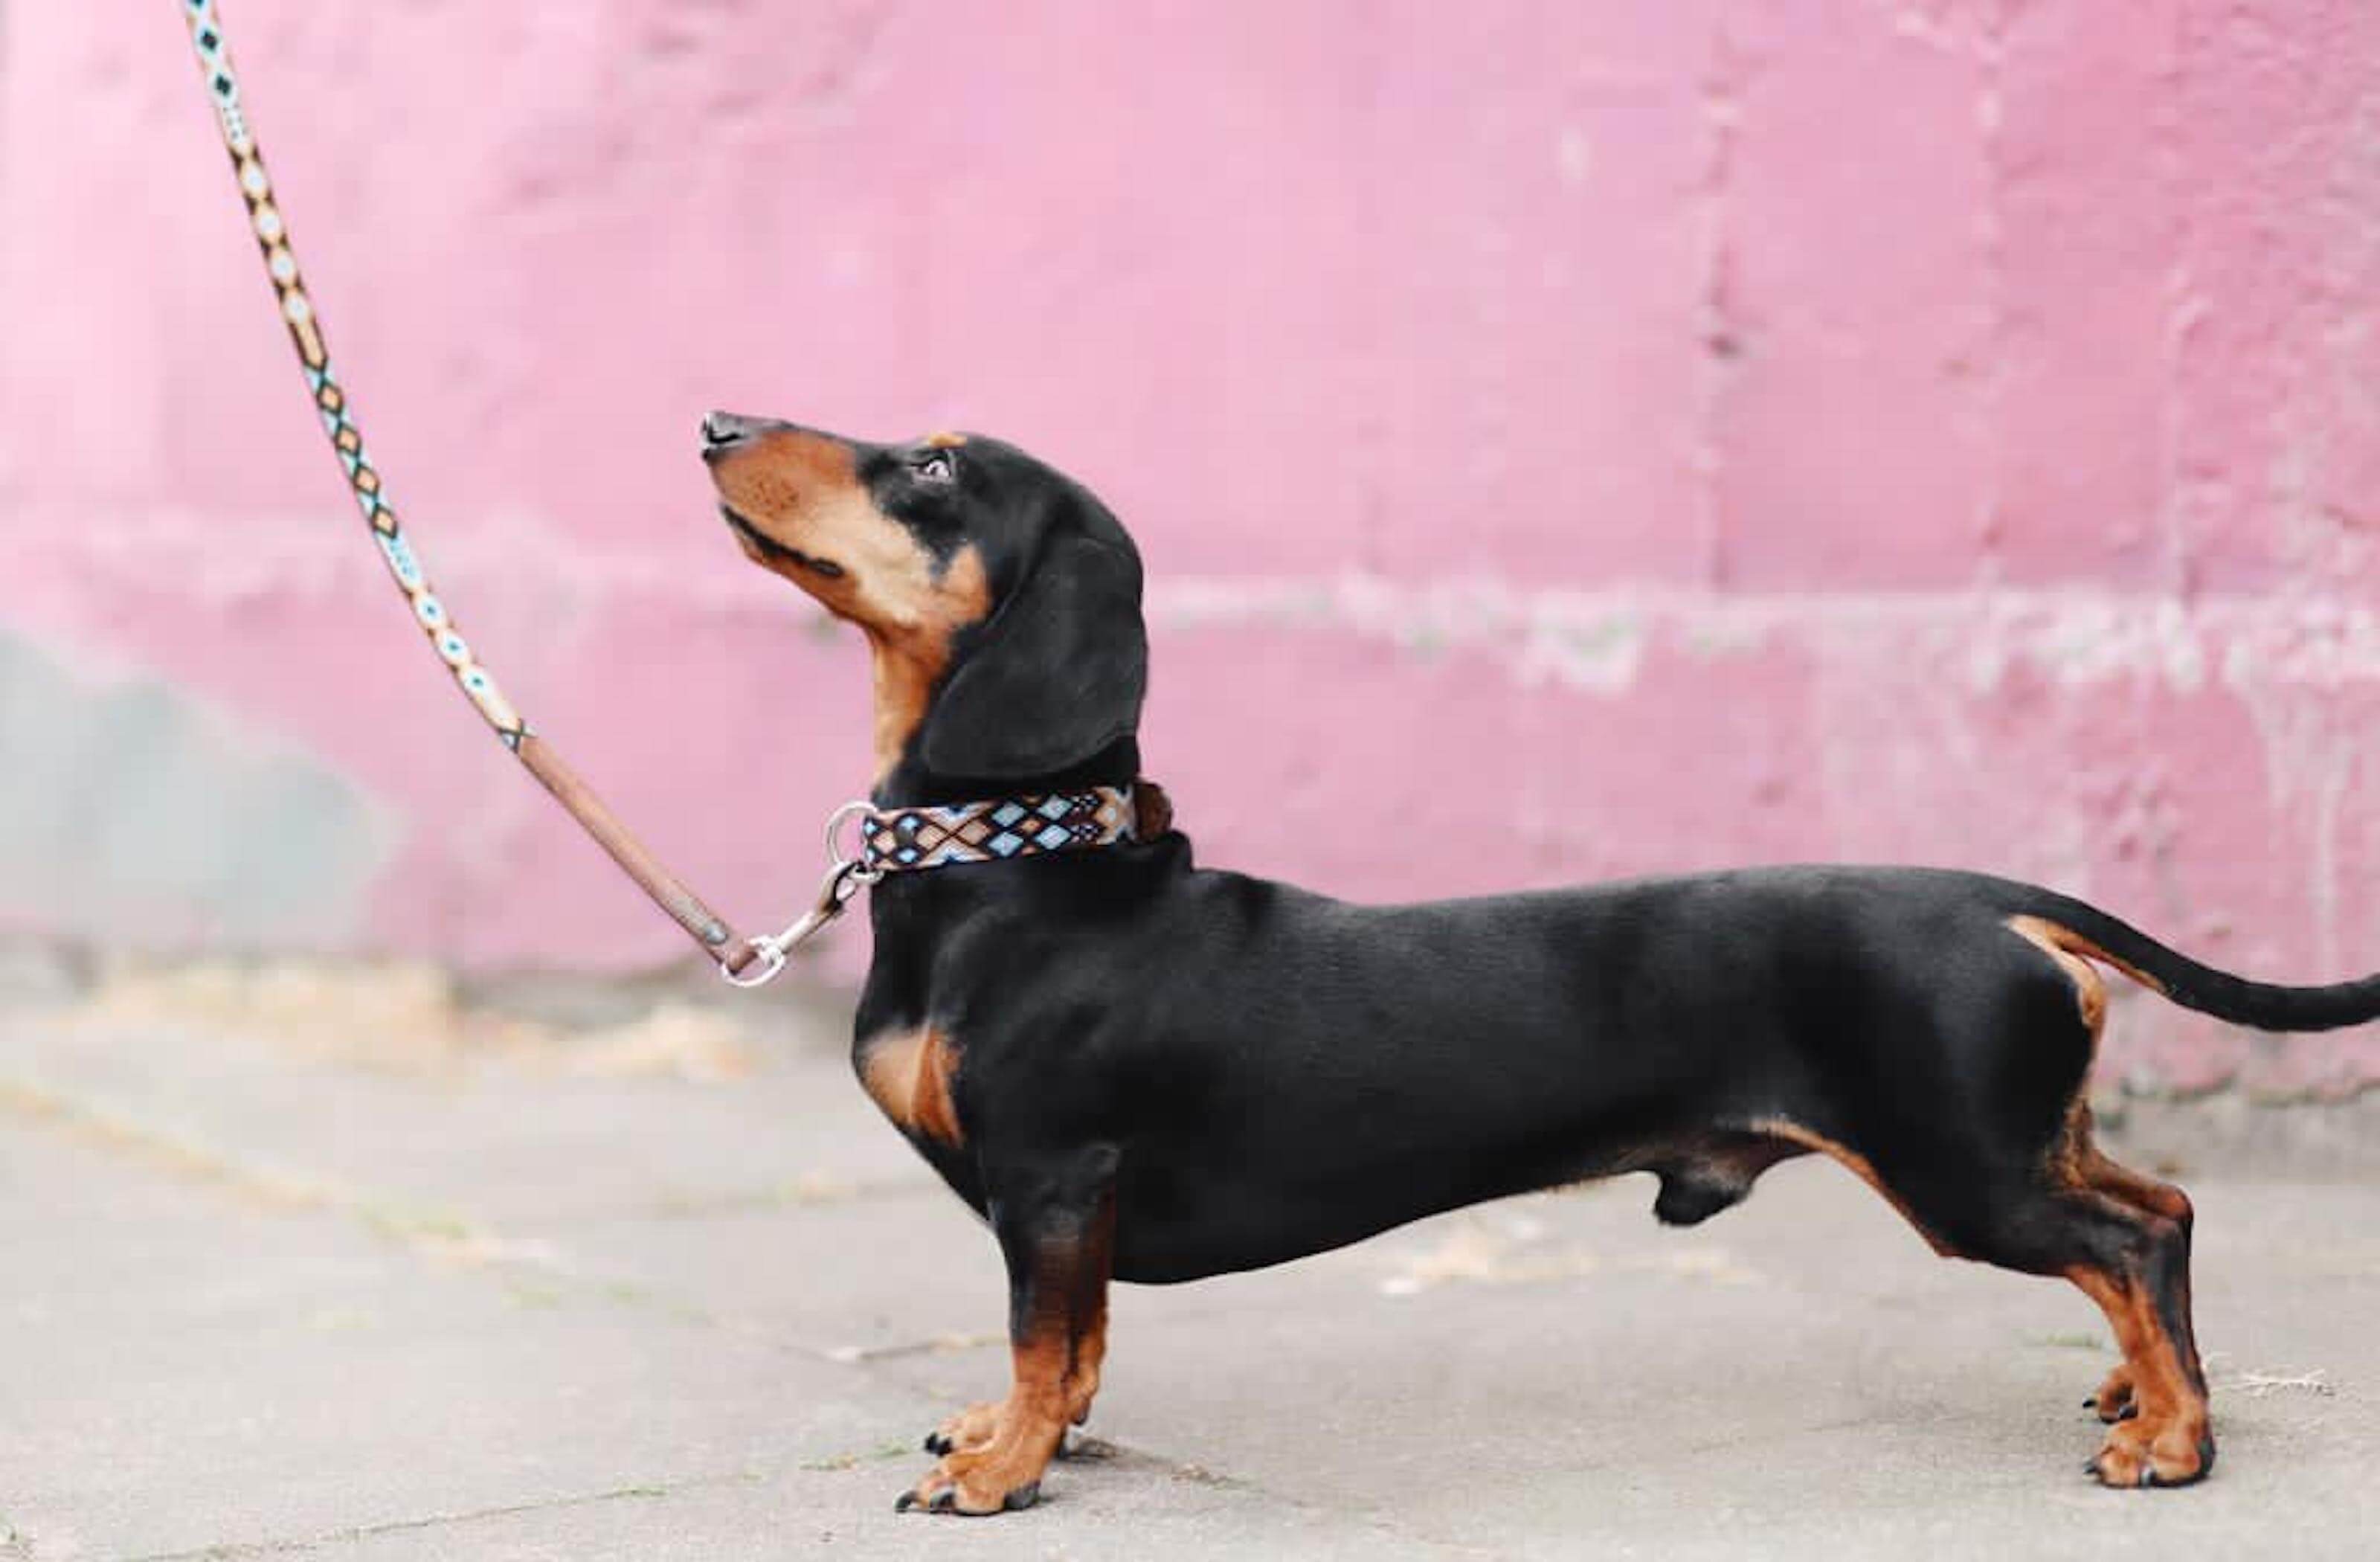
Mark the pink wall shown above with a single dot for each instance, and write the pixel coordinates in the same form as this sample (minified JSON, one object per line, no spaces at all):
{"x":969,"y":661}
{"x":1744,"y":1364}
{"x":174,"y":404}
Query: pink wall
{"x":1567,"y":440}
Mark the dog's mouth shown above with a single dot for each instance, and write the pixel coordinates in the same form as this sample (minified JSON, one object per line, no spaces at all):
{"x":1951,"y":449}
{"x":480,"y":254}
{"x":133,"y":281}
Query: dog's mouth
{"x":769,"y":547}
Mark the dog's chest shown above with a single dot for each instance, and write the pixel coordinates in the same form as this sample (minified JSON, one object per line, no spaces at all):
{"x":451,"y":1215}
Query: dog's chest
{"x":908,"y":1072}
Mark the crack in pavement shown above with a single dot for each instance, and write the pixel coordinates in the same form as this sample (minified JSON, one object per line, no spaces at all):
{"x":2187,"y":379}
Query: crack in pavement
{"x":232,"y":1549}
{"x":433,"y":1235}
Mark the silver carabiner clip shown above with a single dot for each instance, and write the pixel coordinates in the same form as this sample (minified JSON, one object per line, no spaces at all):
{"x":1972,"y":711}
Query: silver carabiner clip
{"x":843,"y":881}
{"x":845,"y":877}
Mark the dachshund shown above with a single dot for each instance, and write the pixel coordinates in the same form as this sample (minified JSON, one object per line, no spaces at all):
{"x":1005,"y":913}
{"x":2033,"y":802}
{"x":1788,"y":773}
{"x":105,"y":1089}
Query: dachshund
{"x":1136,"y":1068}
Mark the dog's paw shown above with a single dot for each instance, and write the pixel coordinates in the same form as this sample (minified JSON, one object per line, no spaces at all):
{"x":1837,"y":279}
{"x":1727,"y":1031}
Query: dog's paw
{"x":2114,"y":1402}
{"x":2175,"y":1454}
{"x":971,"y":1487}
{"x":994,"y":1455}
{"x":996,"y":1460}
{"x":966,"y":1431}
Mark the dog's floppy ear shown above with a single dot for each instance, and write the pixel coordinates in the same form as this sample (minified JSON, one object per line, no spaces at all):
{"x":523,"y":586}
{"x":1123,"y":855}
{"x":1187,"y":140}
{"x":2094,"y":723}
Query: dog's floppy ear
{"x":1058,"y":675}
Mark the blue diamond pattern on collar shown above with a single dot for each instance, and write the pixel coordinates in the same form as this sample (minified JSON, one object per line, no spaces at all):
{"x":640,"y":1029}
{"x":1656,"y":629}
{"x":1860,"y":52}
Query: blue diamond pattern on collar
{"x":999,"y":829}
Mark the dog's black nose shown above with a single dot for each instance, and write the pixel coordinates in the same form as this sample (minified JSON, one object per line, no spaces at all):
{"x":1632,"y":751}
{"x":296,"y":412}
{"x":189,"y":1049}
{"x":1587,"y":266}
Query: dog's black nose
{"x":721,"y":430}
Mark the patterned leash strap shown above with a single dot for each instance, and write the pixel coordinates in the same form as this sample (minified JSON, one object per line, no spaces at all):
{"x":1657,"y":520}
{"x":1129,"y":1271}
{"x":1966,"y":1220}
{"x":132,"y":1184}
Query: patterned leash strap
{"x":718,"y":940}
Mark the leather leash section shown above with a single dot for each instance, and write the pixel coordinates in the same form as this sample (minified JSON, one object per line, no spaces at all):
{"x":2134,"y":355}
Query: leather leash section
{"x":720,"y":941}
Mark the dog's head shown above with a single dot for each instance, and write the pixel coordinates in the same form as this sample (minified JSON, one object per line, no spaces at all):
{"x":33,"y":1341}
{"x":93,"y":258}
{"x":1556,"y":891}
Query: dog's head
{"x":1001,"y":600}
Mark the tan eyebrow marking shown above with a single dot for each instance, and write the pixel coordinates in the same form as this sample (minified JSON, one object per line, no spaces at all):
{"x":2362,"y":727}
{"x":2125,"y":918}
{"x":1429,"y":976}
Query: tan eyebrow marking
{"x":946,"y":440}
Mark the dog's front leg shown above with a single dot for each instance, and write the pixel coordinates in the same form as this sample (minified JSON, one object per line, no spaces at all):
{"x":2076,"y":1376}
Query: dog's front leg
{"x":1055,"y":1219}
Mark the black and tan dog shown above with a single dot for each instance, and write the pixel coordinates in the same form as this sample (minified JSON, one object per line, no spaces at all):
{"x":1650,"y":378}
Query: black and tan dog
{"x":1138,"y":1069}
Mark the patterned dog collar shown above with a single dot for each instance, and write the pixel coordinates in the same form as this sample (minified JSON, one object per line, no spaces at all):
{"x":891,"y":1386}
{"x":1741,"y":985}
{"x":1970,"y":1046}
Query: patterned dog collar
{"x":896,"y":840}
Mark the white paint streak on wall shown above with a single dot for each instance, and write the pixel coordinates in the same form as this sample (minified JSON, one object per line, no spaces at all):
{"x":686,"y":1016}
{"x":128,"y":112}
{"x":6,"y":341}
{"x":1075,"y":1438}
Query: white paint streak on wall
{"x":1597,"y":640}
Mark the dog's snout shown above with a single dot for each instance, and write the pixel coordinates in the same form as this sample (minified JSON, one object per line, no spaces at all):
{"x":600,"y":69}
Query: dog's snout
{"x":723,"y":430}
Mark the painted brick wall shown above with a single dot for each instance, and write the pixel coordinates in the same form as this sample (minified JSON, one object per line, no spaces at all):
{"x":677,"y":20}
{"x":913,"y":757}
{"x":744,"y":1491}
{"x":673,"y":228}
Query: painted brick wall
{"x":1567,"y":441}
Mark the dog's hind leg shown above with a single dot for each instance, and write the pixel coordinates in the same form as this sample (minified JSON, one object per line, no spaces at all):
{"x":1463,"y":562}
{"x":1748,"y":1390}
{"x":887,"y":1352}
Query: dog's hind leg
{"x":2054,"y":1205}
{"x":2135,"y":1265}
{"x":2161,"y":1432}
{"x":2000,"y":1168}
{"x":2075,"y":1161}
{"x":2116,"y":1399}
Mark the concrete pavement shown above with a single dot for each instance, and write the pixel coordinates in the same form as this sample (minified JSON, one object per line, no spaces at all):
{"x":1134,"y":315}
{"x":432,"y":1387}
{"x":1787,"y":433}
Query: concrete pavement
{"x":305,"y":1267}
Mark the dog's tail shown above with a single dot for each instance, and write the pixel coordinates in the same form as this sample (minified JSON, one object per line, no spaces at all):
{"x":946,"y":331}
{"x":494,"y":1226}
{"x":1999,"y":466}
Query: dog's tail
{"x":2092,"y":933}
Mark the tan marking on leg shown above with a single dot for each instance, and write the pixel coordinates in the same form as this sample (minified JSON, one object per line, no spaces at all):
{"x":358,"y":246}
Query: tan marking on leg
{"x":2069,"y":1153}
{"x":1055,"y":1370}
{"x":2137,"y":1189}
{"x":2156,"y":1402}
{"x":2076,"y":1162}
{"x":908,"y":1074}
{"x":978,"y":1425}
{"x":1859,"y":1166}
{"x":2165,"y":1442}
{"x":2156,"y":1199}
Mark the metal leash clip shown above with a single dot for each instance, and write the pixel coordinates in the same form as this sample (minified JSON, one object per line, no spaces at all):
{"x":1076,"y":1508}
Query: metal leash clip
{"x":845,"y":877}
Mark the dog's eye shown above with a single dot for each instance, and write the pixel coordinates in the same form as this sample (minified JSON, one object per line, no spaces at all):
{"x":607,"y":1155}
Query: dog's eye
{"x":936,"y":466}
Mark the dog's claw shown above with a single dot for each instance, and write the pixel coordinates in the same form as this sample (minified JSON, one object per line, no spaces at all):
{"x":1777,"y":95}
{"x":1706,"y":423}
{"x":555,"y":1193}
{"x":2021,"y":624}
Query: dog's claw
{"x":937,"y":1443}
{"x":904,"y":1502}
{"x":944,"y":1501}
{"x":1024,"y":1496}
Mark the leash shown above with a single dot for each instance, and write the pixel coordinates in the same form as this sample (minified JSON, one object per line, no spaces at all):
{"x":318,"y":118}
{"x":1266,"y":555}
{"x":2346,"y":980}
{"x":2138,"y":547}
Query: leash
{"x":895,"y":840}
{"x":746,"y":962}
